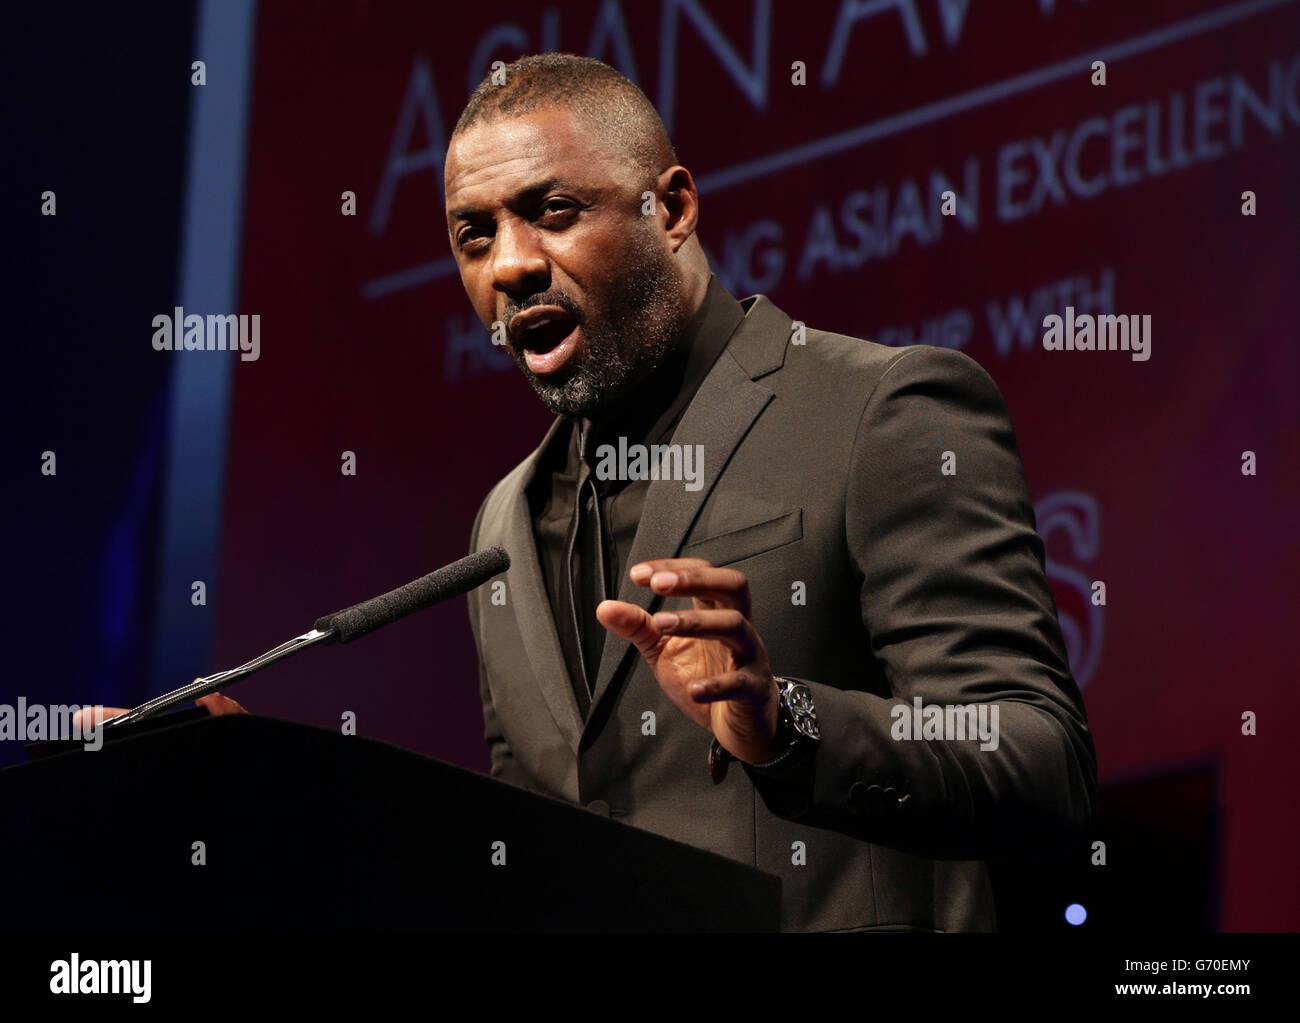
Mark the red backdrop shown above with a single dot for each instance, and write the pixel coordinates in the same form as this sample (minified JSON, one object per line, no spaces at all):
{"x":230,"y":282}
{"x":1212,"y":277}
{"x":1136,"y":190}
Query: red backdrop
{"x":1124,"y":197}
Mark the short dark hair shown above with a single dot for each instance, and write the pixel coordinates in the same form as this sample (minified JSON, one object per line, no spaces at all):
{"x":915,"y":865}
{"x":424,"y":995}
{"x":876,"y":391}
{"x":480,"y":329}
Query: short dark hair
{"x":618,"y":111}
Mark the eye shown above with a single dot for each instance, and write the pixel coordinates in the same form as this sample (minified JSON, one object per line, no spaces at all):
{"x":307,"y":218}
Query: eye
{"x":467,"y":235}
{"x":553,"y":208}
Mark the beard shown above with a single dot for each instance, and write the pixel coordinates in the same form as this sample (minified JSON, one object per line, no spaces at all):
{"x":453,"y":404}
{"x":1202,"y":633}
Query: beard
{"x":625,"y":339}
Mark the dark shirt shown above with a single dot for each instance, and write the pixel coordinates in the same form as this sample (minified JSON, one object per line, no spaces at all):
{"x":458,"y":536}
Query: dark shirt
{"x":649,"y":415}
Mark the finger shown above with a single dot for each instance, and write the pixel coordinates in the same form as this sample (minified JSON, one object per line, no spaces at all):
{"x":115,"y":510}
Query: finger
{"x":726,"y":625}
{"x":727,"y":587}
{"x":640,"y":572}
{"x":627,"y":621}
{"x":217,"y":703}
{"x":89,"y":717}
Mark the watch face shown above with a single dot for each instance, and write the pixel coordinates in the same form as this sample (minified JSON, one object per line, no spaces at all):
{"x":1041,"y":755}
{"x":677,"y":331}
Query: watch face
{"x":799,"y":700}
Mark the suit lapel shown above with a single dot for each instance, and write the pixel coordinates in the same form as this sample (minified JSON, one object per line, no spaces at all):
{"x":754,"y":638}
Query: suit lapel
{"x":719,"y":416}
{"x":532,"y":606}
{"x":721,"y":413}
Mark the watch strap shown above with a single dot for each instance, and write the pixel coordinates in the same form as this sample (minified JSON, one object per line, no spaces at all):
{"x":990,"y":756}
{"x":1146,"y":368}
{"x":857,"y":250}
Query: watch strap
{"x":720,"y":758}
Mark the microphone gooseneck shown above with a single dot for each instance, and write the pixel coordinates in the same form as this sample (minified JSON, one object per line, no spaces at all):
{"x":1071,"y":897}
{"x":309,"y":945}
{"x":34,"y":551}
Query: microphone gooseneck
{"x":342,"y":626}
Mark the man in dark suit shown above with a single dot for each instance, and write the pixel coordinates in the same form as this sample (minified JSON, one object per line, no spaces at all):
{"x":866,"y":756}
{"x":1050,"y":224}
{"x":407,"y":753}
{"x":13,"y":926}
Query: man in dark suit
{"x":823,"y":561}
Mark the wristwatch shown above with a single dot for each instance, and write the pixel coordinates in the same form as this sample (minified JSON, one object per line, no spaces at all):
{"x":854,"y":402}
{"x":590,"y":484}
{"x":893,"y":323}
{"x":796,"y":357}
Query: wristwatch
{"x":796,"y":728}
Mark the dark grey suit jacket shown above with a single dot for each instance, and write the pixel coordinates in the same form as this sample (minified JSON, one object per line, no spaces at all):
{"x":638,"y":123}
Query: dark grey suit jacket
{"x":823,"y":477}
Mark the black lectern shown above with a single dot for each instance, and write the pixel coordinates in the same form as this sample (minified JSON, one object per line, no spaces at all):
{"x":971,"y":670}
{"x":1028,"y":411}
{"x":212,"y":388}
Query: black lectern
{"x":246,"y":823}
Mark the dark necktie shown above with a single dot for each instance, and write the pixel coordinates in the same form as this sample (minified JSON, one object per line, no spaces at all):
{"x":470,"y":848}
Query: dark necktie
{"x":586,"y":563}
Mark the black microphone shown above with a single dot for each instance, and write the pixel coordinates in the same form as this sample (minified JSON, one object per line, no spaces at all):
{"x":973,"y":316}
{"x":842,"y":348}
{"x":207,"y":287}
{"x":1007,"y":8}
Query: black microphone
{"x":451,"y":581}
{"x":342,"y":626}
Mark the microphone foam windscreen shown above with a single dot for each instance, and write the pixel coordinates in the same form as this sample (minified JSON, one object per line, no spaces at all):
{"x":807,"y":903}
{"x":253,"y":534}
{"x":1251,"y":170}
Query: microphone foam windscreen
{"x":453,"y":580}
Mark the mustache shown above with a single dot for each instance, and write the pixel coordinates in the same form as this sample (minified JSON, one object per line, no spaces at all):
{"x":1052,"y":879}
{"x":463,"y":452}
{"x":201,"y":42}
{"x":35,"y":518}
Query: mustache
{"x":555,"y":298}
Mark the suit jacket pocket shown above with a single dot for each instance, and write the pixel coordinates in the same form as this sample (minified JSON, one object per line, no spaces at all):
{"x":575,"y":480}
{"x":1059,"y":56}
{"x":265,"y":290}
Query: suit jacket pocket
{"x":748,"y":541}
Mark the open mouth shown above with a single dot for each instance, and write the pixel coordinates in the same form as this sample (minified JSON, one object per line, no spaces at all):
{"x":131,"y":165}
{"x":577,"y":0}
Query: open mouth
{"x":546,"y":336}
{"x":550,"y":347}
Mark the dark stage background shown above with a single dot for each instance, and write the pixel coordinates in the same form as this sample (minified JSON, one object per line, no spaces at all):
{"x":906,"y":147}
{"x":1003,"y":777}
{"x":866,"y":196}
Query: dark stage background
{"x":1125,"y":197}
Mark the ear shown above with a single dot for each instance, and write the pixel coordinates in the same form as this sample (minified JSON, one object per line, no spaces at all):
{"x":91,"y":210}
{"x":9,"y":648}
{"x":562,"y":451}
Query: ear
{"x":681,"y":203}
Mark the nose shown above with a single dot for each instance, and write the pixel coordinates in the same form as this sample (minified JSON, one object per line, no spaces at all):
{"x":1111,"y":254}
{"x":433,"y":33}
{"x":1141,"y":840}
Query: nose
{"x":519,"y":264}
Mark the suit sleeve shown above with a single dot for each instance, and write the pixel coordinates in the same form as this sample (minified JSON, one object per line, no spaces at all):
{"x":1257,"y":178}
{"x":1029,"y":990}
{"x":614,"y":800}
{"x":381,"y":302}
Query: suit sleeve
{"x":956,"y":603}
{"x":503,"y":760}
